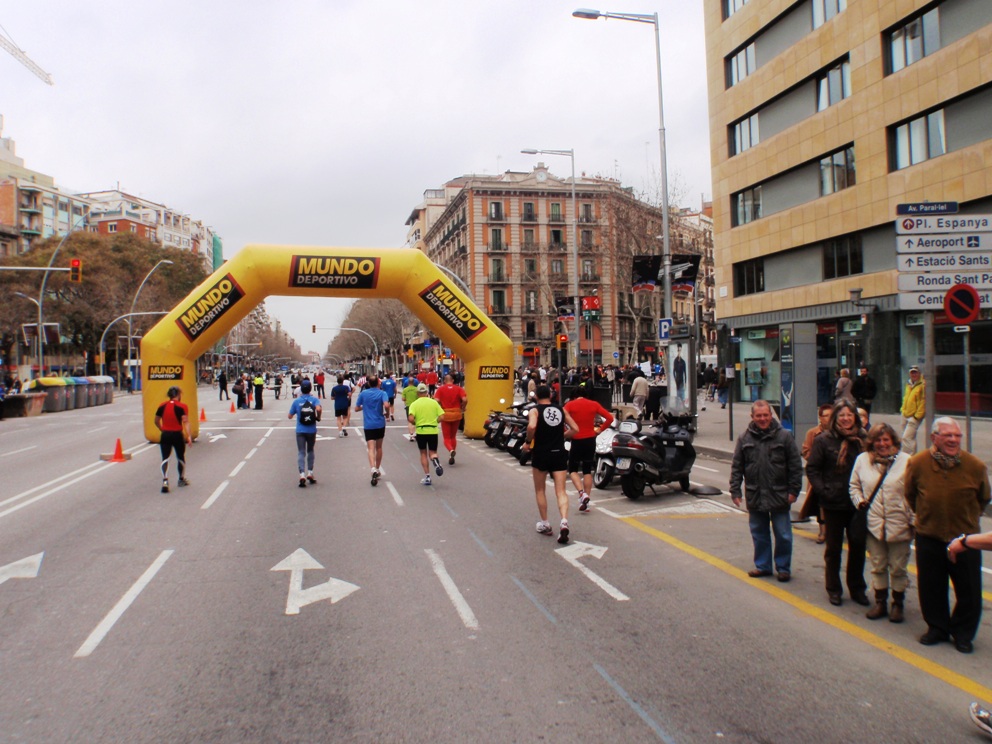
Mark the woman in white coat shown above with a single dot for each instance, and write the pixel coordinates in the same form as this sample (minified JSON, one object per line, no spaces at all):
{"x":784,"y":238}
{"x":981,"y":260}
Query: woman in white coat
{"x":890,"y":520}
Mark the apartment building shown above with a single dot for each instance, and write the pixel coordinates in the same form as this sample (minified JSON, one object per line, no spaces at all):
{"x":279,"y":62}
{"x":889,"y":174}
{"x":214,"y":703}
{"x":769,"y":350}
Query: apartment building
{"x":510,"y":238}
{"x":825,"y":115}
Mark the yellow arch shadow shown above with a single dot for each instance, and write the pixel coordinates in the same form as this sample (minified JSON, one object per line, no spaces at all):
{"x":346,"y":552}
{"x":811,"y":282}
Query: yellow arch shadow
{"x":169,"y":350}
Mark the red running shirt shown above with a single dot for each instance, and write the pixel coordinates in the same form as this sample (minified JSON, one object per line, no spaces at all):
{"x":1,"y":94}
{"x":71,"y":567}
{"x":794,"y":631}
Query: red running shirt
{"x":584,"y":412}
{"x":172,"y":412}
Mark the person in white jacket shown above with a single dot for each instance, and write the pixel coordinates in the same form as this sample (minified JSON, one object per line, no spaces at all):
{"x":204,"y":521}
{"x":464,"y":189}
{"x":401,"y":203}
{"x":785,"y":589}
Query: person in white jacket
{"x":890,"y":518}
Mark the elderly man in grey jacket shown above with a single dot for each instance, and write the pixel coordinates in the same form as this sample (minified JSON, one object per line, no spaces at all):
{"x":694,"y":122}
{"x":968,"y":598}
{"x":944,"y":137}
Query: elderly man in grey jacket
{"x":767,"y":462}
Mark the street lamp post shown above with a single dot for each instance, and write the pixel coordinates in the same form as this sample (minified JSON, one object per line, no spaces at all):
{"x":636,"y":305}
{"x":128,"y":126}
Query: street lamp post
{"x":38,"y":339}
{"x":666,"y":256}
{"x":163,"y":262}
{"x":41,"y":293}
{"x":575,"y":243}
{"x":358,"y":330}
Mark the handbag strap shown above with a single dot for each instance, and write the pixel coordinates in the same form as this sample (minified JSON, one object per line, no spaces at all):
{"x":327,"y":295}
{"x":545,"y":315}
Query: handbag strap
{"x":878,"y":485}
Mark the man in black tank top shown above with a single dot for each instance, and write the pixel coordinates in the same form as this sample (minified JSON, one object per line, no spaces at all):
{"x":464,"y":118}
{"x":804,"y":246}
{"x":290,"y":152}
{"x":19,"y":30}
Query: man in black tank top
{"x":547,"y":429}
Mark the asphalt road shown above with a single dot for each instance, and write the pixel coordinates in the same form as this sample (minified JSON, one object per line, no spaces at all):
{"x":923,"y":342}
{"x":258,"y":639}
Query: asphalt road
{"x":419,"y":613}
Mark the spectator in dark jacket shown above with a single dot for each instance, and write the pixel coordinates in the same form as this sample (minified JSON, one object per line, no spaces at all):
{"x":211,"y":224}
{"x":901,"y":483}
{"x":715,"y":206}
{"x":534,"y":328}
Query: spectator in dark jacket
{"x":864,"y":389}
{"x":767,"y":460}
{"x":828,"y":468}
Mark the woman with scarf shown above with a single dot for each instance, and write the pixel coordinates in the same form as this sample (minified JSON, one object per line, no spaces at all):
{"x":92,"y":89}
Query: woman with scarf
{"x":877,"y":488}
{"x":829,"y":469}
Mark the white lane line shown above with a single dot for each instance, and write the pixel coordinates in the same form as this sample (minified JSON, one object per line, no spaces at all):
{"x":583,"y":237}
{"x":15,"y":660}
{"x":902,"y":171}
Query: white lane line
{"x":41,"y":496}
{"x":696,"y":466}
{"x":271,"y":429}
{"x":101,"y":630}
{"x":253,"y":451}
{"x":17,"y":452}
{"x":94,"y":431}
{"x":461,"y":606}
{"x":396,"y":494}
{"x":215,"y":495}
{"x":260,"y":442}
{"x":236,"y":469}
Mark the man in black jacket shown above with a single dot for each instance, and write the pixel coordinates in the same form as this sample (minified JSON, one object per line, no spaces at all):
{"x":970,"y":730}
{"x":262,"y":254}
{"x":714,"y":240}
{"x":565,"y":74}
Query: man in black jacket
{"x":864,"y":390}
{"x":767,"y":461}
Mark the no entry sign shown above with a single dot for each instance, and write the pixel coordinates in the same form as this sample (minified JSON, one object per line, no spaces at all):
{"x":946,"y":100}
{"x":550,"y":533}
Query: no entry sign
{"x":961,"y":304}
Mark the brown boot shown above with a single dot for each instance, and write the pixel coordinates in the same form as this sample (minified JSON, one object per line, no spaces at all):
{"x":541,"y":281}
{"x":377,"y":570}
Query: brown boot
{"x":881,"y":597}
{"x":896,"y":616}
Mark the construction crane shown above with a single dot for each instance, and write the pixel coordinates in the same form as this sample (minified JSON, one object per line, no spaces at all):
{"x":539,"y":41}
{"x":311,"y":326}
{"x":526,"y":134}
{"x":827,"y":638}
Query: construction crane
{"x":7,"y":43}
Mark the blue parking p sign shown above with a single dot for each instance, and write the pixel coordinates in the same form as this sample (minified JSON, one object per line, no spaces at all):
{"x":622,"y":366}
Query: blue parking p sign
{"x":664,"y":328}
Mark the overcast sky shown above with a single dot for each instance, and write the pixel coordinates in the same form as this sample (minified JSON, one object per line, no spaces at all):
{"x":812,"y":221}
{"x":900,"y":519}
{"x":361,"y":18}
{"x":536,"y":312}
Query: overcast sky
{"x":322,"y":123}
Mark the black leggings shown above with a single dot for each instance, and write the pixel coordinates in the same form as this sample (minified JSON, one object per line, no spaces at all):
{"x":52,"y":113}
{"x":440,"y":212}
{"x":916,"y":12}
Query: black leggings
{"x":173,"y":440}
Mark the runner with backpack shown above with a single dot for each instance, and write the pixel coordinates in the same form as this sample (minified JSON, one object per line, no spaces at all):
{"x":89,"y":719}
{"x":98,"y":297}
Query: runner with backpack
{"x":307,"y":410}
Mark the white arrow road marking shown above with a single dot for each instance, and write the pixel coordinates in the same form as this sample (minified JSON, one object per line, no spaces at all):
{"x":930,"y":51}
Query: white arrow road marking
{"x":572,"y":553}
{"x":296,"y":564}
{"x":464,"y":611}
{"x":215,"y":437}
{"x":26,"y":568}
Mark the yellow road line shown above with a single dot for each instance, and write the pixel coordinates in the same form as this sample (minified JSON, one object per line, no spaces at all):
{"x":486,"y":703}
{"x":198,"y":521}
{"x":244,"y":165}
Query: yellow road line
{"x":911,"y":567}
{"x":974,"y":689}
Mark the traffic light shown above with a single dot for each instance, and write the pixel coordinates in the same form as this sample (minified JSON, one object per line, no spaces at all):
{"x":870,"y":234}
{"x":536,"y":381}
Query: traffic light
{"x":314,"y":327}
{"x":562,"y":340}
{"x":76,"y":270}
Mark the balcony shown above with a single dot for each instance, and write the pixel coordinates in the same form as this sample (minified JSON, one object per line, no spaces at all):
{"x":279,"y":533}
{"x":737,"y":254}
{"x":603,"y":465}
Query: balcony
{"x":530,"y":247}
{"x":530,"y":277}
{"x":588,"y":278}
{"x":461,"y":251}
{"x":587,"y":219}
{"x":556,"y":218}
{"x":495,"y":310}
{"x":557,"y":247}
{"x":499,"y":216}
{"x":558,"y":278}
{"x":498,"y":277}
{"x":528,"y":217}
{"x":497,"y":246}
{"x":588,"y":247}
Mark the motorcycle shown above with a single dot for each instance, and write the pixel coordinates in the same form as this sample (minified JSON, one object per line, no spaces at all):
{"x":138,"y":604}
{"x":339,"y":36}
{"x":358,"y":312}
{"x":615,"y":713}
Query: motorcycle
{"x":662,"y":453}
{"x":606,"y":464}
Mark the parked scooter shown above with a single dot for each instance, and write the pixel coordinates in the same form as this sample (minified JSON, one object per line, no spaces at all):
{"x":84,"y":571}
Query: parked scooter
{"x":606,"y":464}
{"x":662,"y":453}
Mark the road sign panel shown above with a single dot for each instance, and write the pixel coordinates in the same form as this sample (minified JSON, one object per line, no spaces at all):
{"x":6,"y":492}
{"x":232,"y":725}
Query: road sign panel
{"x":935,"y":300}
{"x":616,"y":354}
{"x":664,"y":328}
{"x":935,"y":243}
{"x":917,"y":208}
{"x":939,"y":280}
{"x":961,"y":303}
{"x":942,"y":261}
{"x":958,"y":223}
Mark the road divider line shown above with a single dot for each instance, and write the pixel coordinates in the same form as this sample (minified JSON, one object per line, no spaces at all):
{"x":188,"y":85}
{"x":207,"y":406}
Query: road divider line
{"x":485,"y":548}
{"x":237,"y":469}
{"x":215,"y":495}
{"x":461,"y":606}
{"x":950,"y":677}
{"x":396,"y":494}
{"x":634,"y":705}
{"x":39,"y":497}
{"x":261,"y":442}
{"x":108,"y":622}
{"x":253,"y":451}
{"x":17,"y":452}
{"x":530,"y":595}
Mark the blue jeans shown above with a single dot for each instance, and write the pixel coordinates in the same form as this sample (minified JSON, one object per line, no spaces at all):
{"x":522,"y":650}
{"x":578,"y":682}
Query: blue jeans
{"x":304,"y":451}
{"x":781,"y":524}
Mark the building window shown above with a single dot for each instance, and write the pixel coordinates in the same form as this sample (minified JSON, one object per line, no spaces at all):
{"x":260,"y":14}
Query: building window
{"x":529,"y":238}
{"x":111,"y":227}
{"x":586,"y":215}
{"x":556,"y":211}
{"x":557,"y":266}
{"x":842,"y":257}
{"x":588,"y":268}
{"x":744,"y":134}
{"x":834,"y":85}
{"x":134,"y":228}
{"x":749,"y":277}
{"x":496,"y":210}
{"x":587,"y":238}
{"x":914,"y":40}
{"x":496,"y":267}
{"x":746,"y":206}
{"x":530,"y":266}
{"x":837,"y":171}
{"x":557,"y":239}
{"x":919,"y":139}
{"x":530,"y":329}
{"x":530,"y":300}
{"x":529,"y":214}
{"x":499,"y":301}
{"x":741,"y":64}
{"x":824,"y":10}
{"x":732,"y":6}
{"x":496,"y":239}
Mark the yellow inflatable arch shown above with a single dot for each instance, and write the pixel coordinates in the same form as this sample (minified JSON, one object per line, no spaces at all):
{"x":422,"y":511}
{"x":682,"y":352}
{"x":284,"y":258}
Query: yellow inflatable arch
{"x":169,"y":350}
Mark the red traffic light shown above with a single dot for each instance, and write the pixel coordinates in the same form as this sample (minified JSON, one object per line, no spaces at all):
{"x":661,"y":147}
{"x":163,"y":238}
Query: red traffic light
{"x":75,"y":270}
{"x":563,"y":338}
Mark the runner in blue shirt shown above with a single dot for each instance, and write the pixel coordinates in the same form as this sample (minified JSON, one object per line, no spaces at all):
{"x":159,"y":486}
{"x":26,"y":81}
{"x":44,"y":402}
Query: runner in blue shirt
{"x":389,"y":388}
{"x":307,"y":410}
{"x":374,"y":404}
{"x":341,"y":394}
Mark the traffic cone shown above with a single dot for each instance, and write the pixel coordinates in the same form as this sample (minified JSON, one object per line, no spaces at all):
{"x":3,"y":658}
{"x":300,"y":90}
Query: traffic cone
{"x":118,"y":455}
{"x":203,"y":414}
{"x":232,"y":406}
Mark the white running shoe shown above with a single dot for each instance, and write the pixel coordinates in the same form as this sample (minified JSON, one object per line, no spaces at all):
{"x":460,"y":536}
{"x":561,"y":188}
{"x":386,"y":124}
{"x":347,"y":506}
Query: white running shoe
{"x":563,"y":532}
{"x":981,"y":717}
{"x":544,"y":528}
{"x":426,"y":481}
{"x":583,"y":501}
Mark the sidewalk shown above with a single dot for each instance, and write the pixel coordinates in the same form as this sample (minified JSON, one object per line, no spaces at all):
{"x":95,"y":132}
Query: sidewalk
{"x":714,"y":439}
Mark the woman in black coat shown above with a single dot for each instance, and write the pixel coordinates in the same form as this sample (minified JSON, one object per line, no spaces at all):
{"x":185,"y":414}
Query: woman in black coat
{"x":829,"y":471}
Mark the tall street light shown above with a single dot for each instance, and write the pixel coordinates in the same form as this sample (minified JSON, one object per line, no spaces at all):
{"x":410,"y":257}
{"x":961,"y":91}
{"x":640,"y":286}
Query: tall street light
{"x":575,"y":243}
{"x":163,"y":262}
{"x":41,"y":293}
{"x":38,"y":305}
{"x":666,"y":256}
